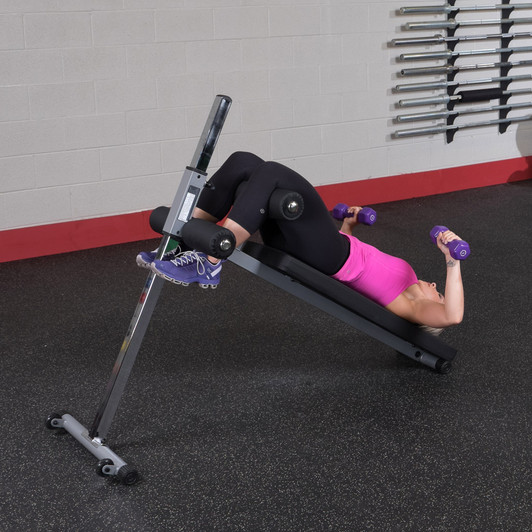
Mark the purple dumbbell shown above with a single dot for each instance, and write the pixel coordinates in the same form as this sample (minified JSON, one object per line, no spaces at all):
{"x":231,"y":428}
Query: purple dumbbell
{"x":459,"y":249}
{"x":366,"y":216}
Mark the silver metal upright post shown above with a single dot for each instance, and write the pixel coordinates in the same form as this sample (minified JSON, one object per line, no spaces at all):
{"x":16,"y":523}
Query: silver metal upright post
{"x":192,"y":182}
{"x":193,"y":179}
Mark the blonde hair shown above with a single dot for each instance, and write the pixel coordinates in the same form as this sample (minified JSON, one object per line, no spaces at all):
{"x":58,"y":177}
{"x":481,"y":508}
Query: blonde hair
{"x":432,"y":330}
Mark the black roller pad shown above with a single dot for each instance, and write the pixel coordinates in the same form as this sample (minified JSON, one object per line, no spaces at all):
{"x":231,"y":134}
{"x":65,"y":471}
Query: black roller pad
{"x":209,"y":238}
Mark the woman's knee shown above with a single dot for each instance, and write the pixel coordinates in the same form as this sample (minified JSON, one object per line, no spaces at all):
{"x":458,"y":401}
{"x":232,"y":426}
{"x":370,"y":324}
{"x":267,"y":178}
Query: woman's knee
{"x":278,"y":173}
{"x":244,"y":159}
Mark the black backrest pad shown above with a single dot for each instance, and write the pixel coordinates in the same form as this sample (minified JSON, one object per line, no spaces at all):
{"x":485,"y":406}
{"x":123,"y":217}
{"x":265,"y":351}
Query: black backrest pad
{"x":348,"y":298}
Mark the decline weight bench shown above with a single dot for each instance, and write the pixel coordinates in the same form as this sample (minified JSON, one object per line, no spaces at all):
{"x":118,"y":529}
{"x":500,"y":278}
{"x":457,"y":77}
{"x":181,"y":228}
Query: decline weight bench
{"x":270,"y":264}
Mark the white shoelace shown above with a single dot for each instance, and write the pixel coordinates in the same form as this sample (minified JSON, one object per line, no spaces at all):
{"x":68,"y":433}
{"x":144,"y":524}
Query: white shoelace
{"x":176,"y":251}
{"x":188,"y":257}
{"x":167,"y":254}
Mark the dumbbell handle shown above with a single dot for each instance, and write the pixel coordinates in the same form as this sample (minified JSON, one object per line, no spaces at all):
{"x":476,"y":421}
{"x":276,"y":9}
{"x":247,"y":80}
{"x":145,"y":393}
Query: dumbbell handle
{"x":459,"y":249}
{"x":366,"y":215}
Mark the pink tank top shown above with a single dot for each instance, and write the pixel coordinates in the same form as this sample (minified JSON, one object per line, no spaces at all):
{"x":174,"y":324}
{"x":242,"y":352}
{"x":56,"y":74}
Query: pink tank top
{"x":375,"y":274}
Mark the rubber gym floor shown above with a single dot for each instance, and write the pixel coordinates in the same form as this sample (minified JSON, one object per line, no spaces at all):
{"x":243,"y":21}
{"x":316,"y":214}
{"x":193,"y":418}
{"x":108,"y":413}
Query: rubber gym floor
{"x":249,"y":410}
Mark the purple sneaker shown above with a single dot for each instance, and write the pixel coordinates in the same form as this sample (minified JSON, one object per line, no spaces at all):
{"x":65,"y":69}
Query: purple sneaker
{"x":145,"y":258}
{"x":189,"y":267}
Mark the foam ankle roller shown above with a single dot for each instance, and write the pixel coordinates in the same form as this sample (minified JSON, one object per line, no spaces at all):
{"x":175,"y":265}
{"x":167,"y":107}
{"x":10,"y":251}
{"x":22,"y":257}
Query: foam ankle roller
{"x":285,"y":205}
{"x":158,"y":218}
{"x":209,"y":238}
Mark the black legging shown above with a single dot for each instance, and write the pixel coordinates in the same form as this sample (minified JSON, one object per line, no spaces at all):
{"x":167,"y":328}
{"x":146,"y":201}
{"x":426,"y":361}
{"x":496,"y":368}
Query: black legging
{"x":312,"y":238}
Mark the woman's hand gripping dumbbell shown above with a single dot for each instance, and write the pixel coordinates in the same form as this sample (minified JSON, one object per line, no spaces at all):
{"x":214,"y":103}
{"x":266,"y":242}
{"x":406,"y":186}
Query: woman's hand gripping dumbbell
{"x":458,"y":249}
{"x":363,"y":215}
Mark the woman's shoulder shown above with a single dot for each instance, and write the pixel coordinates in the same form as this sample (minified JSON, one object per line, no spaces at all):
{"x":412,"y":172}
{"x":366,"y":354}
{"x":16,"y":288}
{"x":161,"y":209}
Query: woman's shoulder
{"x":404,"y":305}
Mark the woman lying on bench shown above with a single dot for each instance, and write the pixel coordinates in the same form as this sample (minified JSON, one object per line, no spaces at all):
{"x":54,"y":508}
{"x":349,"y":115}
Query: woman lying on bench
{"x":314,"y":239}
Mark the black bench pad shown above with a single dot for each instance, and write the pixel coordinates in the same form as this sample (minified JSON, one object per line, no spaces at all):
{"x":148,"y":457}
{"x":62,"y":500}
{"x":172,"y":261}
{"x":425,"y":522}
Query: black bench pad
{"x":348,"y":298}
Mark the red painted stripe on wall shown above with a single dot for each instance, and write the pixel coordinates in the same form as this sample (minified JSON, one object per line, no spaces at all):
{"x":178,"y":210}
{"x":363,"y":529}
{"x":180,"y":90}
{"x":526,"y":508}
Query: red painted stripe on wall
{"x":395,"y":188}
{"x":28,"y":242}
{"x":65,"y":237}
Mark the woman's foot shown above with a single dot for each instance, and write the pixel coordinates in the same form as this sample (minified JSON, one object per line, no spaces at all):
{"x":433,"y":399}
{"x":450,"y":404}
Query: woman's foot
{"x":146,"y":258}
{"x":189,"y":267}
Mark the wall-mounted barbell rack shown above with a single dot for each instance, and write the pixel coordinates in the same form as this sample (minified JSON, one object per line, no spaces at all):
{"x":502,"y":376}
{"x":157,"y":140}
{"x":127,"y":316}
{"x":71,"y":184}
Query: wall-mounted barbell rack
{"x":454,"y":94}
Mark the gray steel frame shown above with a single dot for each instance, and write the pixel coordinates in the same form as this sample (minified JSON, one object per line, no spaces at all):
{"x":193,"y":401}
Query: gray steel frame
{"x":193,"y":180}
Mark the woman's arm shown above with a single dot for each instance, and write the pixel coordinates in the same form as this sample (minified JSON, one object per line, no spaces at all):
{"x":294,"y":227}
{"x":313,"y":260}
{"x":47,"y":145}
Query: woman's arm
{"x":349,"y":223}
{"x":449,"y":312}
{"x":426,"y":311}
{"x":454,"y":289}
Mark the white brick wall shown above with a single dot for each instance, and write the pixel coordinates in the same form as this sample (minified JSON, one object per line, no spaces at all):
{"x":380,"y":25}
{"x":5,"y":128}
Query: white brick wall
{"x":102,"y":101}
